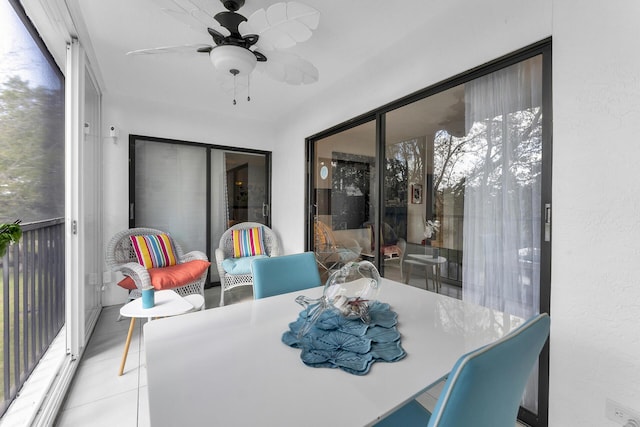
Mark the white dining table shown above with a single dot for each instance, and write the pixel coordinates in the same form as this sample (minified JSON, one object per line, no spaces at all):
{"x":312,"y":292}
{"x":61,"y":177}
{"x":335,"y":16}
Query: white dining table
{"x":228,"y":366}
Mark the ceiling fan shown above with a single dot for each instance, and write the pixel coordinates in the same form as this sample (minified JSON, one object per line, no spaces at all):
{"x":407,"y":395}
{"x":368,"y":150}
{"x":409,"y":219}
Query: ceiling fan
{"x":241,"y":43}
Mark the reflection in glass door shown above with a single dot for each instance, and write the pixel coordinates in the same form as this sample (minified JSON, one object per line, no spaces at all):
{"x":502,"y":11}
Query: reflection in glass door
{"x":247,"y":184}
{"x":344,"y":197}
{"x":239,"y":193}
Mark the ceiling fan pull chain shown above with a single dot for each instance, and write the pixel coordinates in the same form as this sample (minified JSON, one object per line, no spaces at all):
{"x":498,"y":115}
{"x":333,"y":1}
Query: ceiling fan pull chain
{"x":235,"y":74}
{"x":248,"y":87}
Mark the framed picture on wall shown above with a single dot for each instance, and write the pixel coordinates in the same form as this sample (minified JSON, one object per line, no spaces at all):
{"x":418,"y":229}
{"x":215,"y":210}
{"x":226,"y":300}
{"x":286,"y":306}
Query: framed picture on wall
{"x":416,"y":193}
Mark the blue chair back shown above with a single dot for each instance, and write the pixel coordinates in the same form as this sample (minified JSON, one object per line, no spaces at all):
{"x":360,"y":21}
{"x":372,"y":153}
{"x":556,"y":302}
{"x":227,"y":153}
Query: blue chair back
{"x":485,"y":387}
{"x":282,"y":274}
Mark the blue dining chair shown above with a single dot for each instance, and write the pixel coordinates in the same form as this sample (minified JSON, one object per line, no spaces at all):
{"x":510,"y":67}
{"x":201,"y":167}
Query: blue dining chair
{"x":282,"y":274}
{"x":485,"y":386}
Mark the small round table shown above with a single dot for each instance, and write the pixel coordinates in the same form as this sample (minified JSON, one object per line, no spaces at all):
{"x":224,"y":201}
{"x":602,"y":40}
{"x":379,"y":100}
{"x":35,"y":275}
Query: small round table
{"x":167,"y":303}
{"x":426,"y":261}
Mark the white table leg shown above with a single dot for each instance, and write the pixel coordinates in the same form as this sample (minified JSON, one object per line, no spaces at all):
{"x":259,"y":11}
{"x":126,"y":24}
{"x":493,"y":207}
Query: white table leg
{"x":426,"y":277}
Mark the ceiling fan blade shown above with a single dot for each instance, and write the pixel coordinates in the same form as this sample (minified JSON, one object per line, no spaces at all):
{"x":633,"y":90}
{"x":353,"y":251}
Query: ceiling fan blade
{"x":206,"y":6}
{"x":184,"y":18}
{"x":293,"y":11}
{"x":230,"y":21}
{"x":303,"y":13}
{"x":169,"y":4}
{"x":282,"y":25}
{"x":188,"y":14}
{"x":290,"y":68}
{"x":204,"y":18}
{"x":181,"y":49}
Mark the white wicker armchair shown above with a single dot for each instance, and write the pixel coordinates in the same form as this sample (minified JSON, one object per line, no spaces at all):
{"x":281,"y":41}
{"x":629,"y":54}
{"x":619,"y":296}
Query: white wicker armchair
{"x":225,"y":250}
{"x":121,"y":257}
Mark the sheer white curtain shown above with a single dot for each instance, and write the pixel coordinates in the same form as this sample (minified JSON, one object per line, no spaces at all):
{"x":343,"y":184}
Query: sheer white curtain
{"x":502,"y":198}
{"x":502,"y":194}
{"x":219,"y":204}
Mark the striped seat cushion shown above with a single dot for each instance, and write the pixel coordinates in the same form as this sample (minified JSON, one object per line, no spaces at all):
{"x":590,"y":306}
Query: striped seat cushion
{"x":248,"y":242}
{"x":154,"y":250}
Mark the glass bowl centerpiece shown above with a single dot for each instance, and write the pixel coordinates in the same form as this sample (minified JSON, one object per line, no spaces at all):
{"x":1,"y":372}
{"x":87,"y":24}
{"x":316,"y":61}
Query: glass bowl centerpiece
{"x":348,"y":291}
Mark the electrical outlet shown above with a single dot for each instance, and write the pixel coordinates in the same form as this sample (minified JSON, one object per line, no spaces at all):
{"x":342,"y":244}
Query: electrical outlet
{"x":619,"y":413}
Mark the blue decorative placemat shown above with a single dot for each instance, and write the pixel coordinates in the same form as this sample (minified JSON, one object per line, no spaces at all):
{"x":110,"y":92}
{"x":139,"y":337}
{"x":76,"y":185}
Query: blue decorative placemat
{"x":349,"y":344}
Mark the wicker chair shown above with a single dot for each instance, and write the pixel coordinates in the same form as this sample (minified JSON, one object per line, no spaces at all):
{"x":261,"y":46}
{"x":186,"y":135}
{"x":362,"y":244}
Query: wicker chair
{"x":331,"y":253}
{"x":121,"y":257}
{"x":225,"y":250}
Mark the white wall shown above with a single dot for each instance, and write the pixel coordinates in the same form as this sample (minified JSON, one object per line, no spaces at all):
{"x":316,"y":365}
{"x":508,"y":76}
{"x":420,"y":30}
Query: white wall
{"x":133,"y":116}
{"x":595,"y":300}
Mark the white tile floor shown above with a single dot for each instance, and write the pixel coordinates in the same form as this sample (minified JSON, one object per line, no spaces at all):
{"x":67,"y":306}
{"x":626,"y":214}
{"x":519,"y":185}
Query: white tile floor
{"x":99,"y":397}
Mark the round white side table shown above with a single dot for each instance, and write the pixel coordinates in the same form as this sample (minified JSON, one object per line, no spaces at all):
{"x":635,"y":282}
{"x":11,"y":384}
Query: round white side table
{"x":167,"y":303}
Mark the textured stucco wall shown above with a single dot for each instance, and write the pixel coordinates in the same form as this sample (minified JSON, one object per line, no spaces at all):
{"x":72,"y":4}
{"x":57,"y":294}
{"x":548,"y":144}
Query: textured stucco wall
{"x":595,"y":299}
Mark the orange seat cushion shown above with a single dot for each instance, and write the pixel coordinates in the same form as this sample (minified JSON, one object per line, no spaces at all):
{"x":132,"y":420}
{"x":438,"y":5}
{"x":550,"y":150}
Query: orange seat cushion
{"x":390,"y":250}
{"x":172,"y":276}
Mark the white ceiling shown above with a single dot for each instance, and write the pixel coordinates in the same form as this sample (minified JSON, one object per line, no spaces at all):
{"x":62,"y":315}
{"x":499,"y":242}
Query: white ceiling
{"x":351,"y":34}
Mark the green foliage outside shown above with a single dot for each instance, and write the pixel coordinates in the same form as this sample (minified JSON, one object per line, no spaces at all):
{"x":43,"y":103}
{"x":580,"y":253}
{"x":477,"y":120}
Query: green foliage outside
{"x":31,"y":151}
{"x":31,"y":186}
{"x":9,"y":233}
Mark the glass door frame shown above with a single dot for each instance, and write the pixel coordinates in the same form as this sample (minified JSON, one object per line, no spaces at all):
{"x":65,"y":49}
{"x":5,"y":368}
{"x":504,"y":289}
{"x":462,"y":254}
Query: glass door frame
{"x":542,"y":48}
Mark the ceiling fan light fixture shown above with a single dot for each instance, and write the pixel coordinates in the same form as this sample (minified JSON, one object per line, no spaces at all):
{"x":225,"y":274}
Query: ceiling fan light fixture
{"x":226,"y":58}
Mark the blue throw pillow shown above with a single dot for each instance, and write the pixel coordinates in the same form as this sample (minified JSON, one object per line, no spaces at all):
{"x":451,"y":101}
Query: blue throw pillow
{"x":240,"y":265}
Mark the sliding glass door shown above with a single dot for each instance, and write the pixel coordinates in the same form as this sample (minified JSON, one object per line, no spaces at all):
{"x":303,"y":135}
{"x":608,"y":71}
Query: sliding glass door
{"x":474,"y":154}
{"x":465,"y":188}
{"x":91,"y":171}
{"x":171,"y":192}
{"x":246,"y":186}
{"x":195,"y":191}
{"x":344,"y":196}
